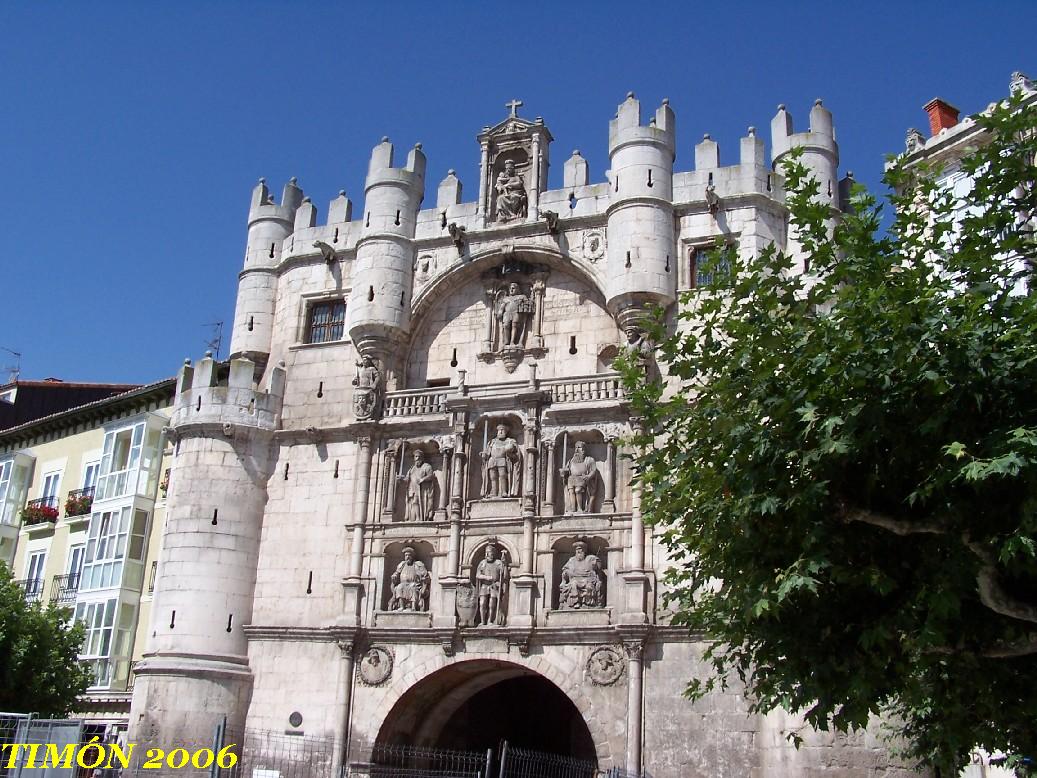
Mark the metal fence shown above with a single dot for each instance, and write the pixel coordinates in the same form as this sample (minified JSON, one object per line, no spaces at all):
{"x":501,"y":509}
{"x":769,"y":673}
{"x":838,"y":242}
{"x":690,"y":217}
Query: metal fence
{"x":526,"y":763}
{"x":42,"y":738}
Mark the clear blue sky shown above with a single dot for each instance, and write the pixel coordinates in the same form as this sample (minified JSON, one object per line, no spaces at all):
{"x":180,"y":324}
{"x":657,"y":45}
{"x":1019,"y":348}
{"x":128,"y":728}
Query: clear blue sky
{"x":132,"y":133}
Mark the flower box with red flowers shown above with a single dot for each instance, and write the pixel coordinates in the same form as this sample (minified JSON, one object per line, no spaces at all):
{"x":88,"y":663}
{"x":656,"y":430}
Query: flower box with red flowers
{"x":39,"y":512}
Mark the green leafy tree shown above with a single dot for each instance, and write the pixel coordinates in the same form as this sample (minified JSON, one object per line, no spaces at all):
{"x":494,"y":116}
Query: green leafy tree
{"x":843,"y":464}
{"x":40,"y":669}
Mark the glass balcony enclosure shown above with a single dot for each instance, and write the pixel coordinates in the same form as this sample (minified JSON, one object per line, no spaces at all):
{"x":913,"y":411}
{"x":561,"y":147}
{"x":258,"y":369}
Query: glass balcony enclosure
{"x":14,"y":483}
{"x":129,"y":463}
{"x":115,"y":548}
{"x":109,"y":640}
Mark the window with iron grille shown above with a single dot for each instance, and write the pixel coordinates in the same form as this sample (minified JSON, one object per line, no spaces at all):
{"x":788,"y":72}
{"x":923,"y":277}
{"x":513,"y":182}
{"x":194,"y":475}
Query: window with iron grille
{"x":327,"y":321}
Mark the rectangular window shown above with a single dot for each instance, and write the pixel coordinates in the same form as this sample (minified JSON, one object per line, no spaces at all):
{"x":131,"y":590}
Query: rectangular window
{"x":707,"y":270}
{"x":327,"y":322}
{"x":90,"y":475}
{"x":49,"y":493}
{"x":5,"y":487}
{"x":34,"y":568}
{"x":129,"y":462}
{"x":75,"y":560}
{"x":106,"y":549}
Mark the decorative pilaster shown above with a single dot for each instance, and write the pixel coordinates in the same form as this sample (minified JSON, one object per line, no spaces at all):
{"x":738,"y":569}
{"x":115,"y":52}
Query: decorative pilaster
{"x":484,"y":178}
{"x":352,"y":584}
{"x":344,"y":697}
{"x":609,"y":500}
{"x":444,"y":487}
{"x":635,"y":684}
{"x":534,"y":179}
{"x":548,"y":508}
{"x":539,"y":287}
{"x":488,"y":344}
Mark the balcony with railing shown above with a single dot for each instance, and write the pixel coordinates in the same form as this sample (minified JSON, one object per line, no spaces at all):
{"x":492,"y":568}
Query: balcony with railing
{"x":40,"y":511}
{"x":63,"y":588}
{"x":416,"y":402}
{"x":33,"y":588}
{"x":79,"y":502}
{"x":592,"y":388}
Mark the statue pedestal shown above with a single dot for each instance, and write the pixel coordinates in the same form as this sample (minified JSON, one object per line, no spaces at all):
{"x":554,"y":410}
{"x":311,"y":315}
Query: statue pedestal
{"x":523,"y":598}
{"x":579,"y":617}
{"x":636,"y":585}
{"x":352,"y":598}
{"x":402,"y":619}
{"x":450,"y":611}
{"x":495,"y":508}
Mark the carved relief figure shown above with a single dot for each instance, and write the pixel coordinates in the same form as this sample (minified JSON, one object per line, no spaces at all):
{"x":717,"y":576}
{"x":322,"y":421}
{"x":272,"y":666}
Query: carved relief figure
{"x":513,"y":310}
{"x":491,"y":577}
{"x":410,"y":584}
{"x":581,"y":585}
{"x":421,"y":484}
{"x":511,"y":194}
{"x":581,"y":484}
{"x":502,"y":465}
{"x":368,"y":383}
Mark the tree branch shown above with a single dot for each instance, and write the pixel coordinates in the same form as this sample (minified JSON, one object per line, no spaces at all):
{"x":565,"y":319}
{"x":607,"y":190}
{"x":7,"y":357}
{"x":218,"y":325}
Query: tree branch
{"x":992,"y":592}
{"x":896,"y":526}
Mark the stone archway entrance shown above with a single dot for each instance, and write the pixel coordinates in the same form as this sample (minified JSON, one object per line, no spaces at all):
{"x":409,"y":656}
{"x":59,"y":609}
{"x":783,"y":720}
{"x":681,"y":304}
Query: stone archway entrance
{"x":479,"y":704}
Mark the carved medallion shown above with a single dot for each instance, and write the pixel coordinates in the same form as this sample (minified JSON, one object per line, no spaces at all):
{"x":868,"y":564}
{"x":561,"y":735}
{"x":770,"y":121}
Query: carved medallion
{"x":593,"y":245}
{"x":375,"y":666}
{"x":605,"y":666}
{"x":424,"y":268}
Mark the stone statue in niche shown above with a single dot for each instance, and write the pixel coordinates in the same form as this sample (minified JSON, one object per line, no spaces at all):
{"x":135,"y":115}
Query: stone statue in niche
{"x":410,"y":584}
{"x":513,"y":311}
{"x":491,"y":576}
{"x":502,"y":465}
{"x":368,"y":383}
{"x":421,"y":484}
{"x":511,"y":194}
{"x":581,"y":482}
{"x":582,"y":584}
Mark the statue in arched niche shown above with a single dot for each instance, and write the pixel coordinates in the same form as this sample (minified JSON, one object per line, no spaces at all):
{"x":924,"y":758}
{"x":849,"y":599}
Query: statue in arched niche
{"x":580,"y":475}
{"x":511,"y":194}
{"x":421,"y":484}
{"x":502,"y":465}
{"x":410,"y":584}
{"x":582,"y":585}
{"x":491,"y":577}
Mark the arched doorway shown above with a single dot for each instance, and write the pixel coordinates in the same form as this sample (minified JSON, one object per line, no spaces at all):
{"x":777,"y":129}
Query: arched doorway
{"x":477,"y":705}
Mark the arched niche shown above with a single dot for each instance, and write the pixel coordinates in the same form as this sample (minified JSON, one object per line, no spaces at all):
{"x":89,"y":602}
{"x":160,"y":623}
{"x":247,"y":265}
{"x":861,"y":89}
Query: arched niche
{"x":455,"y":315}
{"x":424,"y":553}
{"x":397,"y":503}
{"x":507,"y":553}
{"x":562,"y":551}
{"x":485,"y":430}
{"x":593,"y":485}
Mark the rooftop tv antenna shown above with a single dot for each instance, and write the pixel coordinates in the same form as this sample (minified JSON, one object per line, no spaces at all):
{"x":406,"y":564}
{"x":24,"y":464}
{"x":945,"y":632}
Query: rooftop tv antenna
{"x":214,"y":343}
{"x":13,"y":371}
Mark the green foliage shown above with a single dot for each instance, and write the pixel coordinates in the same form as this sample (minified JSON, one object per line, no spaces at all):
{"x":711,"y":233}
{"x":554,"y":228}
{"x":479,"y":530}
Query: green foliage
{"x":840,"y":461}
{"x":39,"y":655}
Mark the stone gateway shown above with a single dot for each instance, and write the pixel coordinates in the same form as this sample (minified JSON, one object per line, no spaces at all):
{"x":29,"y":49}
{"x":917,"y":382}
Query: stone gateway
{"x":428,"y":534}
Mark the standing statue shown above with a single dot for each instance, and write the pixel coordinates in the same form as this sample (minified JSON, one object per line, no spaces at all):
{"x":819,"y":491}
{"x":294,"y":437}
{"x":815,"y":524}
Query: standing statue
{"x":410,"y":584}
{"x":511,"y":194}
{"x":513,"y":309}
{"x":581,"y":585}
{"x":502,"y":465}
{"x":581,"y":483}
{"x":421,"y":484}
{"x":368,"y":383}
{"x":491,"y":577}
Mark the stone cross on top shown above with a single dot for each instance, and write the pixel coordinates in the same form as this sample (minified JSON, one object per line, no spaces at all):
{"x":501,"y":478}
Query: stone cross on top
{"x":514,"y":105}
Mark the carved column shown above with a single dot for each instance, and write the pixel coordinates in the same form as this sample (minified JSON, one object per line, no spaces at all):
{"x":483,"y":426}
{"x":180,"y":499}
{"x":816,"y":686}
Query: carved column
{"x":539,"y":286}
{"x":534,"y":179}
{"x":609,"y":502}
{"x":363,"y":489}
{"x":457,"y":479}
{"x":444,"y":487}
{"x":342,"y":711}
{"x":487,"y":345}
{"x":549,"y":477}
{"x":389,"y":482}
{"x":635,"y":666}
{"x":637,"y":528}
{"x":484,"y":179}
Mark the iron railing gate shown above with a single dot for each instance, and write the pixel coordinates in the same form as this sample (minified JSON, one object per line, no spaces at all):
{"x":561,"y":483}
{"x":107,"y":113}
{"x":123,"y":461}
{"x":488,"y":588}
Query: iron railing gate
{"x":400,"y":761}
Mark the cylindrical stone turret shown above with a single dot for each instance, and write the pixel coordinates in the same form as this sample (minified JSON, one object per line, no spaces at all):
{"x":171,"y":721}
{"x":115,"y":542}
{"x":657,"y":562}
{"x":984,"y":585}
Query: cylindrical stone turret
{"x":642,"y":266}
{"x":196,"y":666}
{"x":379,"y":306}
{"x":268,"y":226}
{"x":820,"y":151}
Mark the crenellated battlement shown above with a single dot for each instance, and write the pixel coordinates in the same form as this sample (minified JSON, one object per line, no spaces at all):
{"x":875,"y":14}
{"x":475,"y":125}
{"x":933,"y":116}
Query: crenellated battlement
{"x":226,"y":394}
{"x":819,"y":137}
{"x":627,"y":128}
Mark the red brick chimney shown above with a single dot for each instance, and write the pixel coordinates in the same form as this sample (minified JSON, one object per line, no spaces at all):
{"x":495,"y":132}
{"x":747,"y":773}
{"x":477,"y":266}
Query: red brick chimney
{"x":941,"y":115}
